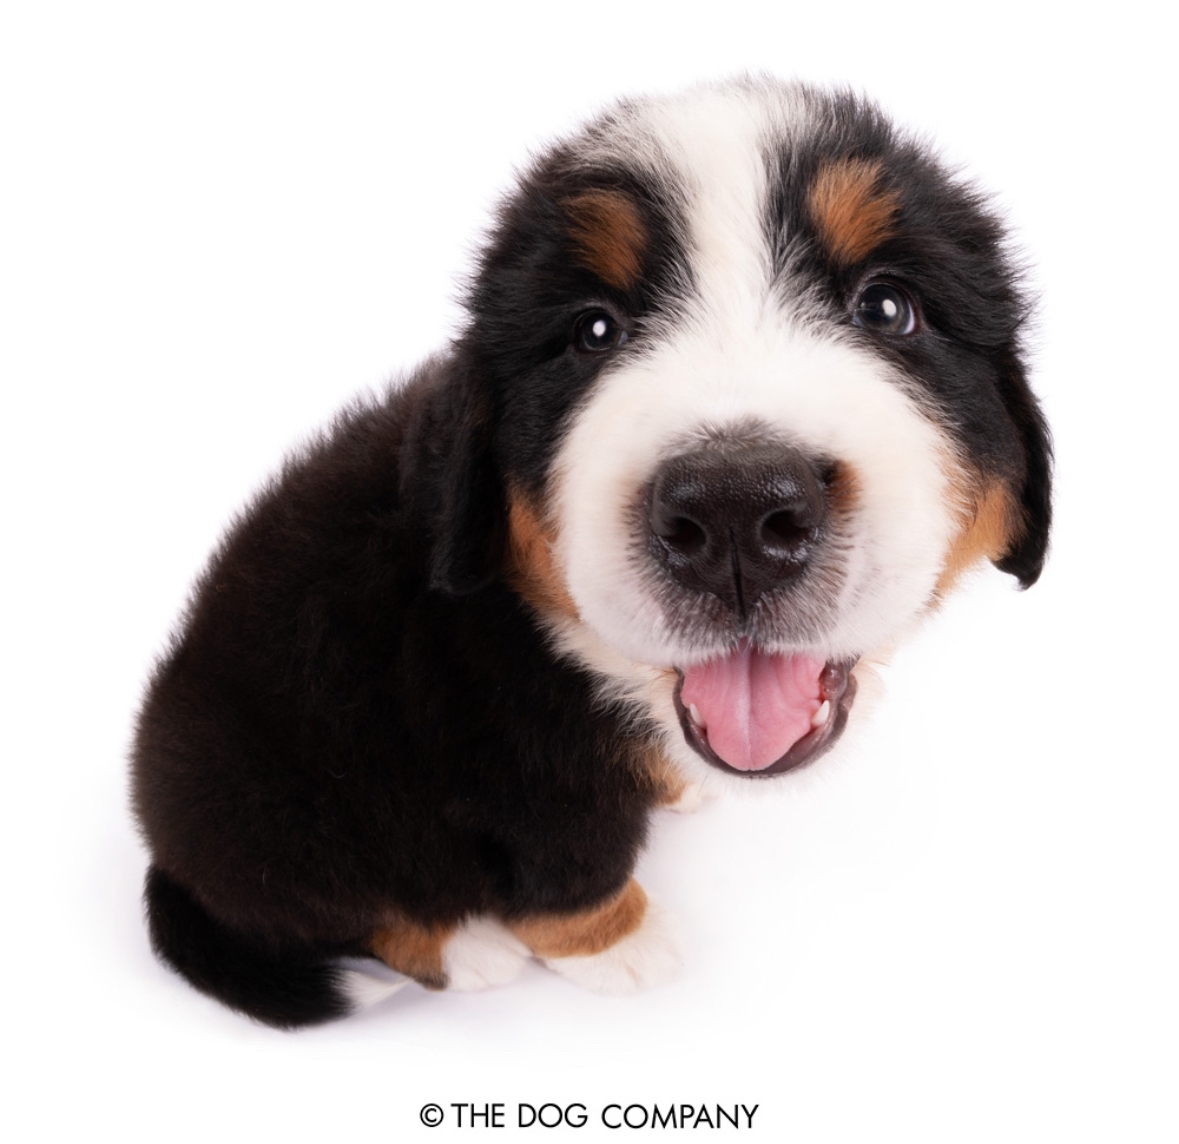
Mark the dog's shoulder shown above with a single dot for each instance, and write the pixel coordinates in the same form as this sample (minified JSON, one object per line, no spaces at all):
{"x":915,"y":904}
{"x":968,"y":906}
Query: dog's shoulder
{"x":326,"y":695}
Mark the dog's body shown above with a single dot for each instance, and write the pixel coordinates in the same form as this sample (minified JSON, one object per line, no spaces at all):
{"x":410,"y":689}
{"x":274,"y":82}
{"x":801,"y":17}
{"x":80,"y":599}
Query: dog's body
{"x":740,"y":396}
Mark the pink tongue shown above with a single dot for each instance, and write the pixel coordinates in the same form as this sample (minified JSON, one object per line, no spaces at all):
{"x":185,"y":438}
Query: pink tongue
{"x":754,"y":706}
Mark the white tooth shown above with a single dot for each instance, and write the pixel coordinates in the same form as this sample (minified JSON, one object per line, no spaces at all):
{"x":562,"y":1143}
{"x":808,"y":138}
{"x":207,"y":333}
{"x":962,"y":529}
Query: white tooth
{"x":822,"y":715}
{"x":694,"y":712}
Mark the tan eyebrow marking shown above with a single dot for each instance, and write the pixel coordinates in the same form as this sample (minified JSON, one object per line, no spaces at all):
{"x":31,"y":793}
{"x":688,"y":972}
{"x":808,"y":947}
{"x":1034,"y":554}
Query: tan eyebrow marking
{"x":608,"y":234}
{"x":853,"y":212}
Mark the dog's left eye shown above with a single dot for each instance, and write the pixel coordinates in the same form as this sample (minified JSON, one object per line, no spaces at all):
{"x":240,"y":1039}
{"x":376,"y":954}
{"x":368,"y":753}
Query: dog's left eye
{"x":596,"y":331}
{"x":883,"y":308}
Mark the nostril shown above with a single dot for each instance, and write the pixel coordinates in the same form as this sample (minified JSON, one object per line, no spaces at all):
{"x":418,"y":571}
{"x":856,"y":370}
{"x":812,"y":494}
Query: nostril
{"x":683,"y":534}
{"x":783,"y":528}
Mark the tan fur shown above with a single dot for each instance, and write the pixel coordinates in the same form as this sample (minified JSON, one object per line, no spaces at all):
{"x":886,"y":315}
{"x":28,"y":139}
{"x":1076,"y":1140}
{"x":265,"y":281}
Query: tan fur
{"x":414,"y":950}
{"x":608,"y":235}
{"x":532,"y":567}
{"x":844,"y":490}
{"x":668,"y":782}
{"x":853,"y":212}
{"x":584,"y":934}
{"x":991,"y":521}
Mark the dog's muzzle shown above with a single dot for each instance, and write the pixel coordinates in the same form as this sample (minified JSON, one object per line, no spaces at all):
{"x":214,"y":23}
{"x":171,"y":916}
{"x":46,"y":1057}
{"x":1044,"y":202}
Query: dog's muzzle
{"x":743,"y":522}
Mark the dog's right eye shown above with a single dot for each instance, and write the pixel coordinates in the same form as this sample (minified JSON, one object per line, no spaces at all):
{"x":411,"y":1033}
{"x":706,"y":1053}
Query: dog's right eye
{"x":884,"y":308}
{"x":596,"y":332}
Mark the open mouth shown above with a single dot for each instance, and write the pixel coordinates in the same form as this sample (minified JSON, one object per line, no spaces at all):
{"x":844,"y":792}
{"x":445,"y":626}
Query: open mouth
{"x":756,"y":714}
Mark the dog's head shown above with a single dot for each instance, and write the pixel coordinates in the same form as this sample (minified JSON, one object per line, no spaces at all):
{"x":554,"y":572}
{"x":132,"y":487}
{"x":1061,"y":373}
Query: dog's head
{"x":741,"y":396}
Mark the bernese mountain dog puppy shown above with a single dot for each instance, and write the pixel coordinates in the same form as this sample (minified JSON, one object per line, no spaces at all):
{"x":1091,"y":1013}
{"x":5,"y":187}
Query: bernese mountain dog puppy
{"x":739,"y":397}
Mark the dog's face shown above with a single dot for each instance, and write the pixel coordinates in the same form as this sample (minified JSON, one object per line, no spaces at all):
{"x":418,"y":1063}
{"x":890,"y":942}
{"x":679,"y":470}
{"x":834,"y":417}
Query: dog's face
{"x":745,"y":369}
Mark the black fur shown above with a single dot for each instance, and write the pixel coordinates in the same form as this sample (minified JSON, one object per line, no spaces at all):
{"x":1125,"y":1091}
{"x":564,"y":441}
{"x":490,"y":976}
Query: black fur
{"x":285,"y":987}
{"x":334,"y":735}
{"x":360,"y":716}
{"x":949,"y":250}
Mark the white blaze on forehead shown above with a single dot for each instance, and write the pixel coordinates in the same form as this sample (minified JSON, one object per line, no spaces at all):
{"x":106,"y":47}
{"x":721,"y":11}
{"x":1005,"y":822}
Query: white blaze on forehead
{"x":711,"y":144}
{"x":737,"y":349}
{"x":714,"y":139}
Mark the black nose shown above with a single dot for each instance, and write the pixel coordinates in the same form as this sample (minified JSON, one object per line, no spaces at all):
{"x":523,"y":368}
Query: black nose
{"x":737,"y":521}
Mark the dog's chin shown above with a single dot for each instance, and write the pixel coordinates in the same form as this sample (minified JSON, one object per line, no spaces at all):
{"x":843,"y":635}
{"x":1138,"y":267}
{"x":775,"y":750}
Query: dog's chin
{"x":837,"y":692}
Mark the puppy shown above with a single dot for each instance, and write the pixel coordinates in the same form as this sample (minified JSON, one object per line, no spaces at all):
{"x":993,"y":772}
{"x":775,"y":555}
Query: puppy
{"x":739,"y":396}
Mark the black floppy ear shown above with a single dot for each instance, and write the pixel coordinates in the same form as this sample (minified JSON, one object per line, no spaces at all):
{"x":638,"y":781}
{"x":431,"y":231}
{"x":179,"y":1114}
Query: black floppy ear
{"x":448,"y":472}
{"x":1024,"y":559}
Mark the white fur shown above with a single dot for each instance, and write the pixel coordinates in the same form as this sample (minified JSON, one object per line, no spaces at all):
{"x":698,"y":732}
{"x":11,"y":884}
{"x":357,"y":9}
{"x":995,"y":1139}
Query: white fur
{"x":480,"y":955}
{"x":751,"y":348}
{"x":690,"y":800}
{"x":648,"y":956}
{"x":792,"y":380}
{"x":365,"y":988}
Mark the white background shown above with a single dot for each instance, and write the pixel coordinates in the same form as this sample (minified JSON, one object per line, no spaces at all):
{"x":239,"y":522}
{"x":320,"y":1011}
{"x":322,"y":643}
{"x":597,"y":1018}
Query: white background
{"x":220,"y":221}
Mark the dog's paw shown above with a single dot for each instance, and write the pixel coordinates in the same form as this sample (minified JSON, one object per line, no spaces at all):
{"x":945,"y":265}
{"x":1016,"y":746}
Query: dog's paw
{"x":647,"y":956}
{"x":481,"y":954}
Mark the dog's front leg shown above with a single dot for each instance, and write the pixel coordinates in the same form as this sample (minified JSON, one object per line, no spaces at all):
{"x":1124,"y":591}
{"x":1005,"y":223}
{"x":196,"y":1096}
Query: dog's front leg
{"x":477,"y":954}
{"x":621,"y":945}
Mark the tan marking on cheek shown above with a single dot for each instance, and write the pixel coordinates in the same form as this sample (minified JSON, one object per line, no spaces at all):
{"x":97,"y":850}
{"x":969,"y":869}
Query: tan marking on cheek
{"x":990,"y":521}
{"x":608,"y":235}
{"x":584,"y":934}
{"x":853,"y":213}
{"x":414,"y":950}
{"x":532,"y":564}
{"x":843,"y":493}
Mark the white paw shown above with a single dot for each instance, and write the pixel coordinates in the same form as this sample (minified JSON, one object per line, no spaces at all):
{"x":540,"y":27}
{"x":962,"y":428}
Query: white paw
{"x":648,"y":956}
{"x":482,"y":954}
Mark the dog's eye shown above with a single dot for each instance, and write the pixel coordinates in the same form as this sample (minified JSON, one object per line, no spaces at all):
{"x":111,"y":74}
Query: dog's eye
{"x":596,"y":331}
{"x":883,"y":308}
